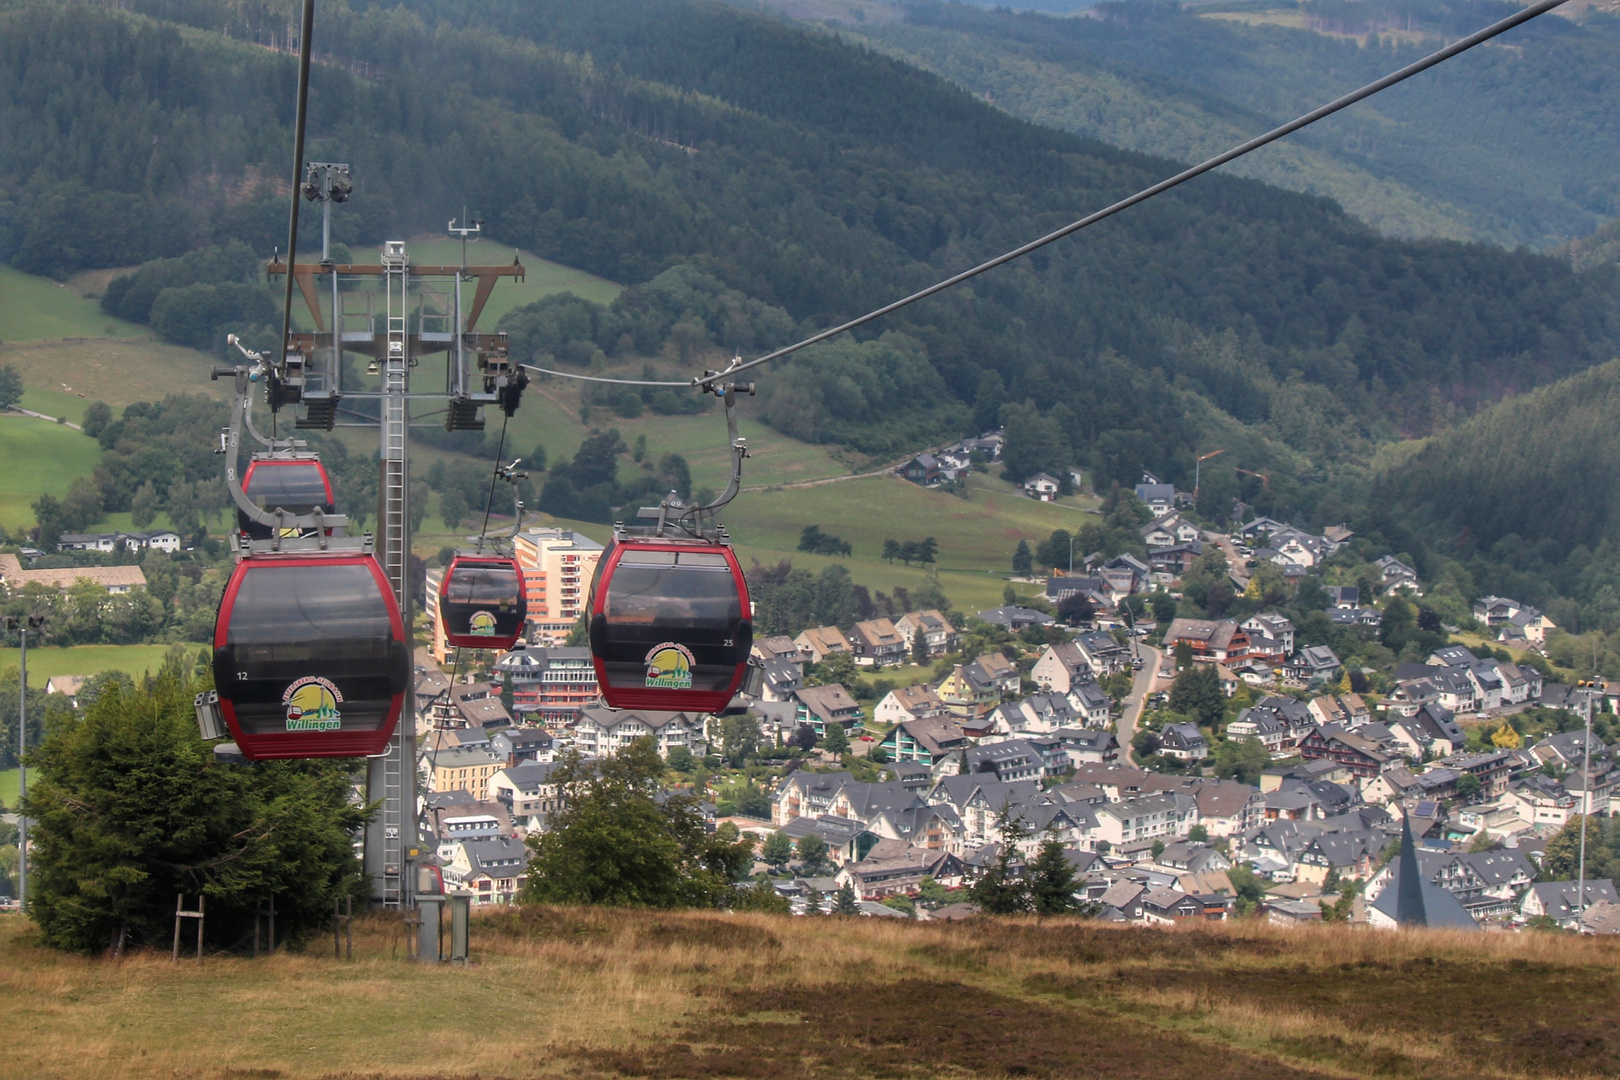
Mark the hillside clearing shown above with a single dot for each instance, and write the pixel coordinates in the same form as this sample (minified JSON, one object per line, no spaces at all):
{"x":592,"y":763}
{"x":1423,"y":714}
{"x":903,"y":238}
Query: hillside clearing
{"x":688,"y":995}
{"x":119,"y":371}
{"x":39,"y":309}
{"x":44,"y":663}
{"x":39,"y":457}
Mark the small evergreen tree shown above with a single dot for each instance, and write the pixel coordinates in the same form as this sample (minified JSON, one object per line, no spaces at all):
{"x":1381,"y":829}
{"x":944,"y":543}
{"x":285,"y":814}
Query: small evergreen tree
{"x":1001,"y":891}
{"x":845,"y":902}
{"x":1023,"y":560}
{"x":1051,"y":879}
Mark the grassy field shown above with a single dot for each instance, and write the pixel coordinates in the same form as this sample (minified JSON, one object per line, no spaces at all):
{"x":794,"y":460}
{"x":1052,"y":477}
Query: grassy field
{"x":115,"y":370}
{"x":10,"y":782}
{"x":43,"y":663}
{"x":681,"y":996}
{"x":975,"y":534}
{"x":39,"y":309}
{"x":39,"y":457}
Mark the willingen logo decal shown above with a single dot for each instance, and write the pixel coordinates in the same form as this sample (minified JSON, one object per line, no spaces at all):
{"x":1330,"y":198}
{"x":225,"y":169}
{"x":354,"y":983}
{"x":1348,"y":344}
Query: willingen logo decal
{"x":312,"y":705}
{"x":482,"y":624}
{"x":669,"y":667}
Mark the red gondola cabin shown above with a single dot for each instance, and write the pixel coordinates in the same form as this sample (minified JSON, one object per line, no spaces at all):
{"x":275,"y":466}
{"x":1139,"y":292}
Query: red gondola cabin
{"x":670,"y":625}
{"x":310,"y":656}
{"x":482,"y":603}
{"x":297,"y":485}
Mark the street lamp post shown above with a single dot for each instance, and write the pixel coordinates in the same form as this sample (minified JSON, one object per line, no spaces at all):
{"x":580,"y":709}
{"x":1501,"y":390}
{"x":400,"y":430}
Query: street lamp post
{"x":22,"y":625}
{"x":1592,"y":690}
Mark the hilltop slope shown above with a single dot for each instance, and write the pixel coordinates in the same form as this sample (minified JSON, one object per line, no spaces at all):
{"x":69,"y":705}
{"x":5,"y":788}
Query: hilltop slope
{"x":678,"y":995}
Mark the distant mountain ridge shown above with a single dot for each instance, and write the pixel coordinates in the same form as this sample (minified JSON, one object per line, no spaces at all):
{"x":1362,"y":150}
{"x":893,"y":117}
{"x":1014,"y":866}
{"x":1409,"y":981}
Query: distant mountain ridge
{"x":1488,"y":147}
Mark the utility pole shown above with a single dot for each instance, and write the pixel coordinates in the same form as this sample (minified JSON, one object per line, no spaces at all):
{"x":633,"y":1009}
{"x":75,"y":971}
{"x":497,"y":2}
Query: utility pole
{"x":22,"y":624}
{"x":1592,"y":689}
{"x":22,"y":775}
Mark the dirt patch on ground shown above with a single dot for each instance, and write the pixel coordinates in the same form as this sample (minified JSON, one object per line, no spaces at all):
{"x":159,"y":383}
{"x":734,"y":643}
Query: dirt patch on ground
{"x":1513,"y":1016}
{"x":915,"y":1028}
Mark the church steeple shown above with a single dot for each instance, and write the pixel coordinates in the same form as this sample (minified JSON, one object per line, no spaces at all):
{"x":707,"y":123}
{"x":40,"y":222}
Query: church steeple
{"x":1409,"y":906}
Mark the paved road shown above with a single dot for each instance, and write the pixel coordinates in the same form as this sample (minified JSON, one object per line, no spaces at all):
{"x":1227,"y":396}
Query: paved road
{"x":1234,"y":561}
{"x":42,"y":416}
{"x":1141,"y":687}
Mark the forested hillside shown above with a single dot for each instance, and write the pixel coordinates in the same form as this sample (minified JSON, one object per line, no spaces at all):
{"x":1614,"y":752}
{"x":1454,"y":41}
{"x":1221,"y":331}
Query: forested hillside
{"x":1526,"y":491}
{"x":1512,"y":144}
{"x":807,"y":179}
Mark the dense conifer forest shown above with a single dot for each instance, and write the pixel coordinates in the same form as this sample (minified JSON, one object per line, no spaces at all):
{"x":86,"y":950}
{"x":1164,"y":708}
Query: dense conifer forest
{"x":1515,"y":144}
{"x":783,"y":178}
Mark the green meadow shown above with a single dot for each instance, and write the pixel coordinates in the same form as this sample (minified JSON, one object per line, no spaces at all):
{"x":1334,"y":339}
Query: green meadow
{"x":45,"y":663}
{"x":39,"y":457}
{"x":39,"y":309}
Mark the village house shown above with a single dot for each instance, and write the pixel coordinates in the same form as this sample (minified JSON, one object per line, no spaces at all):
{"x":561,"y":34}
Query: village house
{"x":805,"y":794}
{"x":1274,"y":627}
{"x":1183,"y":742}
{"x":1042,"y":486}
{"x":908,"y":703}
{"x":776,"y":647}
{"x":527,"y":792}
{"x":1088,"y":745}
{"x":1014,"y":619}
{"x":601,"y":731}
{"x":1364,"y":758}
{"x":1159,"y":498}
{"x":1264,"y":724}
{"x":1314,"y":664}
{"x":467,"y":768}
{"x":820,"y":706}
{"x":876,"y":643}
{"x":816,"y":644}
{"x":1395,"y":575}
{"x":1541,"y":801}
{"x":1221,"y":641}
{"x":1145,"y":817}
{"x":1560,"y":900}
{"x":492,"y":870}
{"x":1349,"y":710}
{"x":1175,"y":559}
{"x":1061,"y":667}
{"x":926,"y":740}
{"x":939,"y":636}
{"x":550,"y":685}
{"x":117,"y":580}
{"x":895,"y":869}
{"x":1169,"y":530}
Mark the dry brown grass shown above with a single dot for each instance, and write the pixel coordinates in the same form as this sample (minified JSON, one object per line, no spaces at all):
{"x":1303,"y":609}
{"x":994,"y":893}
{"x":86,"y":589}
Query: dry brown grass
{"x":578,"y":993}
